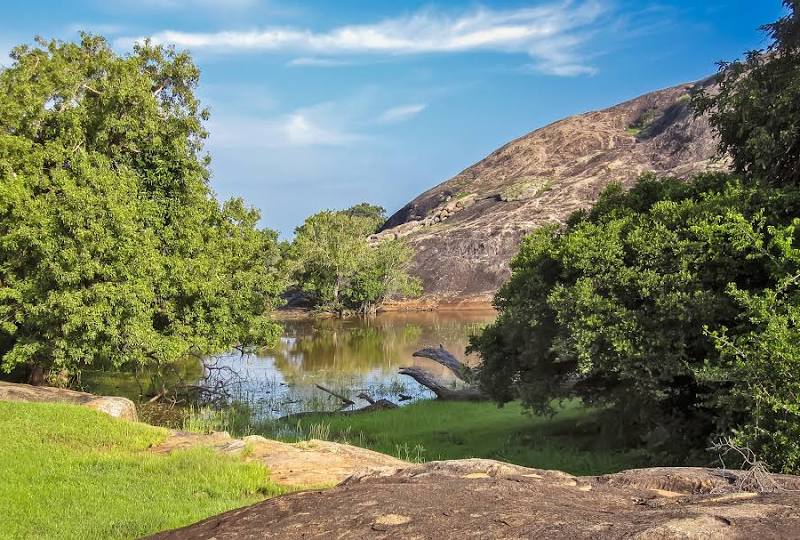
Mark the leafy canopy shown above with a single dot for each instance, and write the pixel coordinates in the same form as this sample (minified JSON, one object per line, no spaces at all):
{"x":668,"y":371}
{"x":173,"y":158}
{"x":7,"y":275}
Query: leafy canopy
{"x":113,"y":250}
{"x":337,"y":267}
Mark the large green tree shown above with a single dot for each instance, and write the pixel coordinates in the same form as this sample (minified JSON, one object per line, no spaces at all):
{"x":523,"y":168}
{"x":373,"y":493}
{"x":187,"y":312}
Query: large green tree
{"x":334,"y":263}
{"x":114,"y":251}
{"x":675,"y":305}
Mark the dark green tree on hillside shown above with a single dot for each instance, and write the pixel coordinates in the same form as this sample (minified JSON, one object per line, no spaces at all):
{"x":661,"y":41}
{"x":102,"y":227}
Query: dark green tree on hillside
{"x":676,"y":306}
{"x":369,"y":211}
{"x":337,"y":267}
{"x":114,"y":251}
{"x":756,"y":112}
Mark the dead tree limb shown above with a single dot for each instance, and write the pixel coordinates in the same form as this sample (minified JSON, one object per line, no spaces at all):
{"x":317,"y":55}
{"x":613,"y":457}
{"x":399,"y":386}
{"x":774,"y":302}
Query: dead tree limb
{"x":347,"y":401}
{"x":463,"y":391}
{"x":442,"y":356}
{"x":443,"y":392}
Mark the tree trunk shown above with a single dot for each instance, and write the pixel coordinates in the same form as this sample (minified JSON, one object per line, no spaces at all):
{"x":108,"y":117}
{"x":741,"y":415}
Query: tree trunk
{"x":445,"y":393}
{"x":464,"y":392}
{"x":36,"y":376}
{"x":440,"y":355}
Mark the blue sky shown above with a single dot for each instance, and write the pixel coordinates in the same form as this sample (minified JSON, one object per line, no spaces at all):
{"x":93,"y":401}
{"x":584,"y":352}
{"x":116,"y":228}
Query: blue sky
{"x":320,"y":105}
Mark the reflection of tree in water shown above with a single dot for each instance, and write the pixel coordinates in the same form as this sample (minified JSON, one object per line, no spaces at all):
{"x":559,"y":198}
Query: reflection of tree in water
{"x":344,"y":347}
{"x":349,"y":356}
{"x":354,"y":347}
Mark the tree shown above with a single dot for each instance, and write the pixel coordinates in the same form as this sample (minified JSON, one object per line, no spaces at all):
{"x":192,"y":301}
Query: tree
{"x":370,"y":211}
{"x":675,"y":306}
{"x":113,"y":250}
{"x":755,"y":110}
{"x":335,"y":264}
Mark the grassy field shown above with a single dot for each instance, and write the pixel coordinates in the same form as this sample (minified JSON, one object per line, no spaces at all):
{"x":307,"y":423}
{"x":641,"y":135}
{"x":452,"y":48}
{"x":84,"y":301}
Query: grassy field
{"x":70,"y":472}
{"x":432,"y":430}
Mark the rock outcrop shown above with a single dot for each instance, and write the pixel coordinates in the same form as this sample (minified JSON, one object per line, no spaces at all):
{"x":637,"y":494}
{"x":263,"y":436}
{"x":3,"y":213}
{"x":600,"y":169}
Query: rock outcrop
{"x":478,"y":498}
{"x":117,"y":407}
{"x":466,"y":230}
{"x":311,"y":463}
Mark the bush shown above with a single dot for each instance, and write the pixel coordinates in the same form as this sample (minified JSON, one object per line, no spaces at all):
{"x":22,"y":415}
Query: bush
{"x":641,"y":306}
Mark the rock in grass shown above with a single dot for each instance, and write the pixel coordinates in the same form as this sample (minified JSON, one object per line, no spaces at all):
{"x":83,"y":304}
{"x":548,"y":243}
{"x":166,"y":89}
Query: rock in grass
{"x":118,"y":407}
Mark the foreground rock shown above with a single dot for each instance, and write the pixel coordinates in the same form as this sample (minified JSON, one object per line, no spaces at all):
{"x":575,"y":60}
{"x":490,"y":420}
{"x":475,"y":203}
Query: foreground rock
{"x":487,"y":499}
{"x":465,"y":230}
{"x":306,"y":464}
{"x":117,"y":407}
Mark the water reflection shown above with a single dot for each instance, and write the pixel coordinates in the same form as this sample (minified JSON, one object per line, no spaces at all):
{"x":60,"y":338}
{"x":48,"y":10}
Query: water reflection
{"x":349,"y":356}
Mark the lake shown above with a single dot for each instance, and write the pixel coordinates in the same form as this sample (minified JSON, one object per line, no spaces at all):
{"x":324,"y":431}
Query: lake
{"x":347,"y":356}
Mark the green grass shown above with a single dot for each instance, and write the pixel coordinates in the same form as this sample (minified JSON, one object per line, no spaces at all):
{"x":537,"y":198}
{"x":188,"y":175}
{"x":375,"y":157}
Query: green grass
{"x":70,"y":472}
{"x":431,"y":430}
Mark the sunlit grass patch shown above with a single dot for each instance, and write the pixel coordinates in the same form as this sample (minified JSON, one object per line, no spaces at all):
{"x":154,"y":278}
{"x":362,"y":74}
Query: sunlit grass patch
{"x":70,"y":472}
{"x":432,"y":430}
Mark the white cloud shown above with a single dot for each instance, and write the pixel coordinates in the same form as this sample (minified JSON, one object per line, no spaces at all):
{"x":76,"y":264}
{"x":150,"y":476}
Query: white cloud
{"x":316,"y":61}
{"x":324,"y":124}
{"x":300,"y":129}
{"x":552,"y":35}
{"x":401,"y":113}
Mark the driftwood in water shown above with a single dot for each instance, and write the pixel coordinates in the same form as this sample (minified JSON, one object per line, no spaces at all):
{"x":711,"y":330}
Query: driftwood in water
{"x":443,"y":392}
{"x":442,"y":356}
{"x":373,"y":404}
{"x":464,"y":391}
{"x":346,"y":401}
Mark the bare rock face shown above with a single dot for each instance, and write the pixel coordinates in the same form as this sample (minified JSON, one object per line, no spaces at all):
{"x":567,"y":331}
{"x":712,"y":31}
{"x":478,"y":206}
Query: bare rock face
{"x":117,"y":407}
{"x":305,"y":464}
{"x":466,"y":230}
{"x":477,"y":498}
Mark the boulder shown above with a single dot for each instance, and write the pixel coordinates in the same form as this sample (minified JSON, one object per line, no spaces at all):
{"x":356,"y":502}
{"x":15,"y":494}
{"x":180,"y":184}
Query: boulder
{"x":118,"y":407}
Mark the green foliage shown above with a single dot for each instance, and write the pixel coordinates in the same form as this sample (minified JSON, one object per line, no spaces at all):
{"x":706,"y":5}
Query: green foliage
{"x":370,"y":211}
{"x":616,"y":310}
{"x":756,"y":112}
{"x":334,"y":263}
{"x":113,"y":250}
{"x":71,"y":472}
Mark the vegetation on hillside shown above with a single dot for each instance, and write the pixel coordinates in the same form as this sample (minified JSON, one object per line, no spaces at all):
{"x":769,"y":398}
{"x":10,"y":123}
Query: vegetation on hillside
{"x":676,"y":305}
{"x":335,"y":265}
{"x":114,"y":252}
{"x":71,"y":472}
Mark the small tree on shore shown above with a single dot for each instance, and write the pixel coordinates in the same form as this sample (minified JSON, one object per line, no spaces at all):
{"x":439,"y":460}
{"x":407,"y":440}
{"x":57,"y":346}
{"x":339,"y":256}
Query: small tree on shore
{"x":336,"y":266}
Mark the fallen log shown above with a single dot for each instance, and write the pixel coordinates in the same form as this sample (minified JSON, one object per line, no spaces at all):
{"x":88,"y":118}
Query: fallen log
{"x":346,"y":402}
{"x":443,"y":392}
{"x":442,"y":356}
{"x":462,"y":391}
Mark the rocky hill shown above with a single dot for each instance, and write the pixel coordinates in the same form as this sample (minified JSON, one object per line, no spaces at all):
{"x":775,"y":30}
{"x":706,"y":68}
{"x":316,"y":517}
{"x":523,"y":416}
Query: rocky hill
{"x":466,"y":230}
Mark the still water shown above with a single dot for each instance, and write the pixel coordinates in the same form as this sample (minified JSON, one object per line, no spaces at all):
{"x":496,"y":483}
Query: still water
{"x":348,"y":356}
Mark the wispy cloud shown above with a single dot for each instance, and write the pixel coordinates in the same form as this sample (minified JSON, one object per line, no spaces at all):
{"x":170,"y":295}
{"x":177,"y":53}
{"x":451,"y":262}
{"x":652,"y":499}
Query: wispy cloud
{"x":301,"y":129}
{"x":553,"y":35}
{"x":316,"y":61}
{"x":325,"y":124}
{"x":401,"y":113}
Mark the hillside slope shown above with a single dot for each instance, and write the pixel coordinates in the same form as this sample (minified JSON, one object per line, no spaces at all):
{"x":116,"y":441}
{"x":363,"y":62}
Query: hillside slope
{"x":466,"y":230}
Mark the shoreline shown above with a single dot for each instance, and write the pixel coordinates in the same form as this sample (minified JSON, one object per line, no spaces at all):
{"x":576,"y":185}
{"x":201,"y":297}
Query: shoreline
{"x":422,"y":305}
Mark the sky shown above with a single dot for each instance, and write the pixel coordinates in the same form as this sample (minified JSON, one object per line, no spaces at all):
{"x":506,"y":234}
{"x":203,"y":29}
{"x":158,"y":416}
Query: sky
{"x":320,"y":105}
